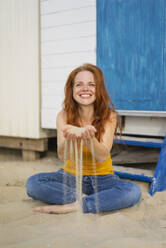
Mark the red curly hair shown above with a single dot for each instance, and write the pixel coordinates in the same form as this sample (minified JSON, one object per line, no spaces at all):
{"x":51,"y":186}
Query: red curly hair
{"x":103,"y":105}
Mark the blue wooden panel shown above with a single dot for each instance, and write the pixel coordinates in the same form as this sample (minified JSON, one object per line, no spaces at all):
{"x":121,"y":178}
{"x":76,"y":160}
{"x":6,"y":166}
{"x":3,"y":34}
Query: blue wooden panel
{"x":164,"y":59}
{"x":131,"y":52}
{"x":138,"y":143}
{"x":159,"y":179}
{"x":134,"y":176}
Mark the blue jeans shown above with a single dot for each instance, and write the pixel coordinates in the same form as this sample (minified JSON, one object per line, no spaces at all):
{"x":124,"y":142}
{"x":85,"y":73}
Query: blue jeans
{"x":104,"y":192}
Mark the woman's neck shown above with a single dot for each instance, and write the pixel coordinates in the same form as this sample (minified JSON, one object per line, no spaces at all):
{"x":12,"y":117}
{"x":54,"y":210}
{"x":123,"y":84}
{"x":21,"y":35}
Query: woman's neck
{"x":86,"y":115}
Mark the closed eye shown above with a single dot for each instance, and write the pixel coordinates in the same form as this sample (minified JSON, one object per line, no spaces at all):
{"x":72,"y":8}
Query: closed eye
{"x":81,"y":85}
{"x":92,"y":85}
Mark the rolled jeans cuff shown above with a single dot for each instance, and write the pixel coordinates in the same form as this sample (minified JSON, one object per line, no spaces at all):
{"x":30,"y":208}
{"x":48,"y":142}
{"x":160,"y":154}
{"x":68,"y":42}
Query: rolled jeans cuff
{"x":87,"y":208}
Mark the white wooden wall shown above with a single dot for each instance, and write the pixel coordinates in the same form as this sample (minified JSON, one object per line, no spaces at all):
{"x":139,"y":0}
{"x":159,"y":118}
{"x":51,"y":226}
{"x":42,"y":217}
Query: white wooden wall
{"x":68,"y":39}
{"x":19,"y":69}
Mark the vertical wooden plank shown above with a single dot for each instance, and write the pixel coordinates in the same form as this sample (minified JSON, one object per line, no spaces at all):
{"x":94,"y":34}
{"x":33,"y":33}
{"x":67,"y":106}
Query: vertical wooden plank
{"x":30,"y":155}
{"x":159,"y":179}
{"x":19,"y":68}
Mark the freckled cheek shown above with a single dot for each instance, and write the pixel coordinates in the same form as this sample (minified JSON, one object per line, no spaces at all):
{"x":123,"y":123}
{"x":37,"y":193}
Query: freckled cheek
{"x":75,"y":94}
{"x":94,"y":92}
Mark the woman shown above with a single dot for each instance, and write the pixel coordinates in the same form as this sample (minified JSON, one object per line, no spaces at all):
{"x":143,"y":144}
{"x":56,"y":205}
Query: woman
{"x":89,"y":115}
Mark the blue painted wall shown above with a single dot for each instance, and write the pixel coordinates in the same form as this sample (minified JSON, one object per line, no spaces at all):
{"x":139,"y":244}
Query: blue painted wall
{"x":131,"y":51}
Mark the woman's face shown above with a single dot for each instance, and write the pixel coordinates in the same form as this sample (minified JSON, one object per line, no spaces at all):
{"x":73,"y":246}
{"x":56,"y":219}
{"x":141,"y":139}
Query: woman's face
{"x":84,"y":89}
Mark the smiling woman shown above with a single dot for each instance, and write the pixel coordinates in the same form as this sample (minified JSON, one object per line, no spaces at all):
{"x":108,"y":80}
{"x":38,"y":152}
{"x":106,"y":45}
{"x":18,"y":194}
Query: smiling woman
{"x":88,"y":118}
{"x":102,"y":107}
{"x":84,"y":88}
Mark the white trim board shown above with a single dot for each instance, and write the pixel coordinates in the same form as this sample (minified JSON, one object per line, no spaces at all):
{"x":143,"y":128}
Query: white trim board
{"x":142,"y":113}
{"x":139,"y":125}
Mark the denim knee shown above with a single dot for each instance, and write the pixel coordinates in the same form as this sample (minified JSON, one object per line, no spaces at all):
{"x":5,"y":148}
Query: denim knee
{"x":125,"y":194}
{"x":30,"y":186}
{"x":135,"y":194}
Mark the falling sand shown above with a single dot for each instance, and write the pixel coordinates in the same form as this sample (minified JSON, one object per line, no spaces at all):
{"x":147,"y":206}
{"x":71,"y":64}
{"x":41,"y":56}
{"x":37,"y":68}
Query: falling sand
{"x":76,"y":153}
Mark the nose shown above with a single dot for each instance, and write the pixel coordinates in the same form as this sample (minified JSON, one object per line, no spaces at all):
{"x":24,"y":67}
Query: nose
{"x":85,"y":87}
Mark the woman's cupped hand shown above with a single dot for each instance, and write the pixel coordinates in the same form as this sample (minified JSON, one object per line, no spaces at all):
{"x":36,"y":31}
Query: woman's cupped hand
{"x":73,"y":132}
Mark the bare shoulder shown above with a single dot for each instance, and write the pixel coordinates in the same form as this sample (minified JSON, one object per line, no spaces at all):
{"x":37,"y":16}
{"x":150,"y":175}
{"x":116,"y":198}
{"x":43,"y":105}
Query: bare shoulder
{"x":61,"y":114}
{"x":110,"y":127}
{"x":113,"y":116}
{"x":61,"y":118}
{"x":111,"y":123}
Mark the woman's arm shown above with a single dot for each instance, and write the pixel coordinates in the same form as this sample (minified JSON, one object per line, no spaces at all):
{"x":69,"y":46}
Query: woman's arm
{"x":103,"y":148}
{"x":61,"y":123}
{"x":65,"y":135}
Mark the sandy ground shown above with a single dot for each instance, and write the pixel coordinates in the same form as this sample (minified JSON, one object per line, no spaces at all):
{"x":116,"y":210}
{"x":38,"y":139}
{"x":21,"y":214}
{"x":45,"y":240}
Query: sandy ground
{"x":143,"y":225}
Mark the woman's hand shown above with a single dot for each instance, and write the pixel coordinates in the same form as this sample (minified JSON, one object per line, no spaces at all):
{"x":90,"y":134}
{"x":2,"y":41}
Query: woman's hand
{"x":72,"y":132}
{"x":88,"y":132}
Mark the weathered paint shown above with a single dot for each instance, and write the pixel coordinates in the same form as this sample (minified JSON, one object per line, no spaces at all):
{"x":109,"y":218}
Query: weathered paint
{"x":159,"y":178}
{"x":139,"y":177}
{"x":138,"y":143}
{"x":131,"y":41}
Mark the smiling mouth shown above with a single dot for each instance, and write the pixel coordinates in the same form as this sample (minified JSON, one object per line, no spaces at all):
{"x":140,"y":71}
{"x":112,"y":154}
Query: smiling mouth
{"x":85,"y":95}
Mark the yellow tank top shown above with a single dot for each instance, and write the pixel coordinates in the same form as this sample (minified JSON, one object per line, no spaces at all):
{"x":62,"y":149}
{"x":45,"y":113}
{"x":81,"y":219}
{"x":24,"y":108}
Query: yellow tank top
{"x":89,"y":167}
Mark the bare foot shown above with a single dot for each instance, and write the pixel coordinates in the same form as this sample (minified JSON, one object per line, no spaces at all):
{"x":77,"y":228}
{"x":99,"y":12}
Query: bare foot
{"x":57,"y":209}
{"x":84,"y":195}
